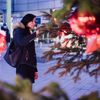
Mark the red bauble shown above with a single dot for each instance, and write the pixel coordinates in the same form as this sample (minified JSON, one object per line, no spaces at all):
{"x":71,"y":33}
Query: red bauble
{"x":2,"y":41}
{"x":93,"y":43}
{"x":84,"y":24}
{"x":98,"y":41}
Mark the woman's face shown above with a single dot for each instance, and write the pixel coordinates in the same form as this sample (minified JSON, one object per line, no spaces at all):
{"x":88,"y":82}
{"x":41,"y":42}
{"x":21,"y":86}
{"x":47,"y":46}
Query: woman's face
{"x":31,"y":24}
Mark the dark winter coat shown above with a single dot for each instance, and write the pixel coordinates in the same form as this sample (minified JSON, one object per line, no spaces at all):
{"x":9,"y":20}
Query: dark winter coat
{"x":25,"y":41}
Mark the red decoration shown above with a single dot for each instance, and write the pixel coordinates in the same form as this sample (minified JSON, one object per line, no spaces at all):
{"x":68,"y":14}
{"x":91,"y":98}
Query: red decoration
{"x":98,"y":41}
{"x":87,"y":25}
{"x":84,"y":24}
{"x":2,"y":41}
{"x":93,"y":43}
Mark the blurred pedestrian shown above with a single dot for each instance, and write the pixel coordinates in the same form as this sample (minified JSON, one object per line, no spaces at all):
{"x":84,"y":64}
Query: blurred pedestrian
{"x":5,"y":28}
{"x":23,"y":37}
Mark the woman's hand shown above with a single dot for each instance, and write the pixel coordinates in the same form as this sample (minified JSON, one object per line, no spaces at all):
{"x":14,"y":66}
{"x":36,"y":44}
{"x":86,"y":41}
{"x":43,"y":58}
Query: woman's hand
{"x":37,"y":32}
{"x":36,"y":75}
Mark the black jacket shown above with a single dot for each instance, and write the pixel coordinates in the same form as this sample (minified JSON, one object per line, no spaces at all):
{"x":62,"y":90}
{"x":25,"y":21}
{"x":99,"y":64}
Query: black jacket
{"x":25,"y":41}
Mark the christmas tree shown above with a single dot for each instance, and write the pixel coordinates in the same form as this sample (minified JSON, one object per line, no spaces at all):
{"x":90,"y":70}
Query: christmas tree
{"x":78,"y":31}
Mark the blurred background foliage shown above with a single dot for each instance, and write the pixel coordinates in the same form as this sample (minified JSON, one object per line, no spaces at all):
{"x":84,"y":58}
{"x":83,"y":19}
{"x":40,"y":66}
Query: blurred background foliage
{"x":23,"y":91}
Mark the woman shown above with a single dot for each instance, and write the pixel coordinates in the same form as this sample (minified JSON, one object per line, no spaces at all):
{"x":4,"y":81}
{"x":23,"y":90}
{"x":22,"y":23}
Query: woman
{"x":24,"y":38}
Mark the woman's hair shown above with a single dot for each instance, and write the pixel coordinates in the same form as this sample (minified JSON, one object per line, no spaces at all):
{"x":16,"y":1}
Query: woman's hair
{"x":27,"y":18}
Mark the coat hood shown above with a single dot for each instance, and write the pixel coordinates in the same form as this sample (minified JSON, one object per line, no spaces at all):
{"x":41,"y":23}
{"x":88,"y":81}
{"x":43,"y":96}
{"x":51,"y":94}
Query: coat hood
{"x":18,"y":25}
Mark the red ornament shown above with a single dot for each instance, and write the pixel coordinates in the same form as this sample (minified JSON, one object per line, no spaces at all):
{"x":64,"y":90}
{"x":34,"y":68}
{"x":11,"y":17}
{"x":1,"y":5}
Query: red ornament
{"x":84,"y":24}
{"x":2,"y":41}
{"x":93,"y":43}
{"x":98,"y":41}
